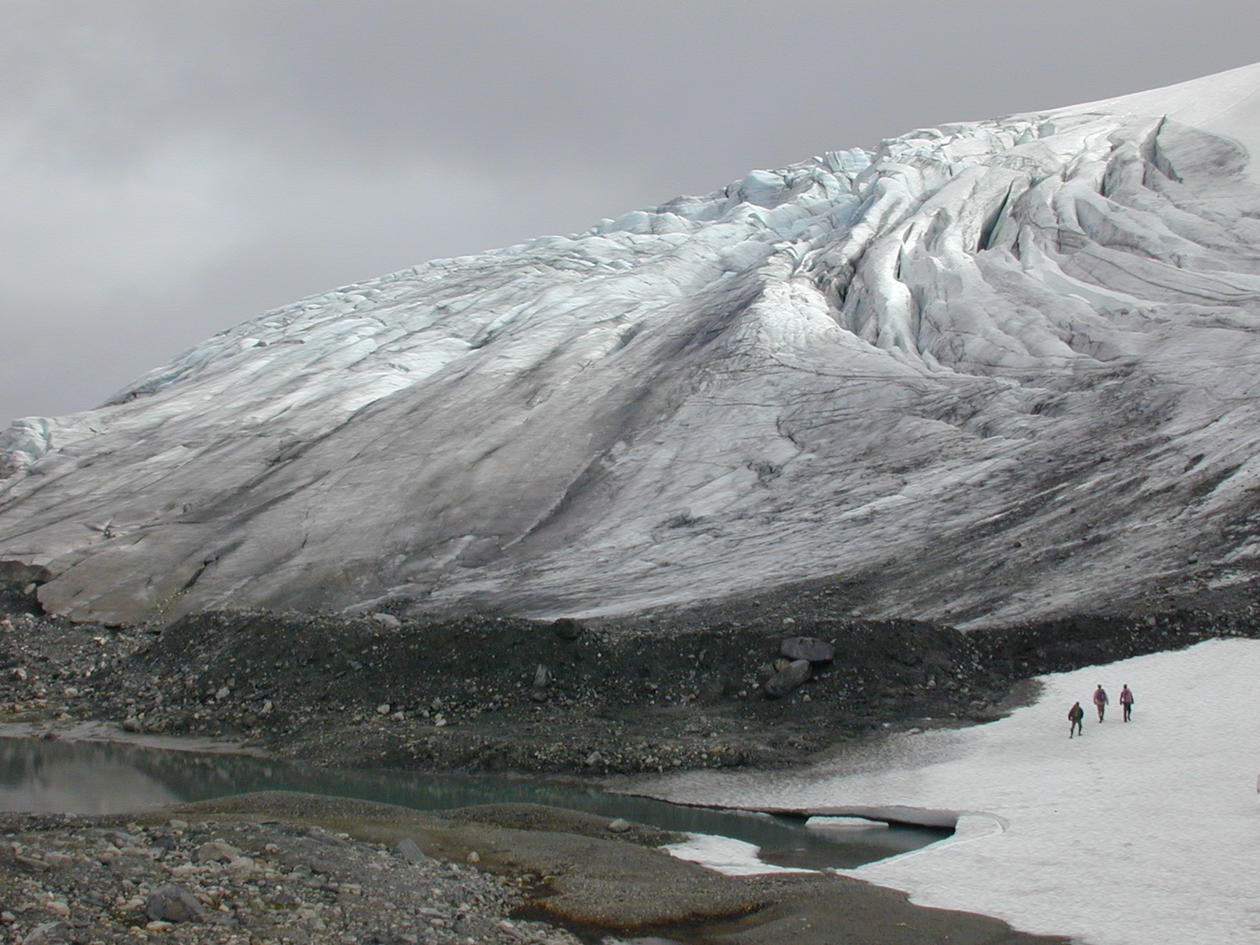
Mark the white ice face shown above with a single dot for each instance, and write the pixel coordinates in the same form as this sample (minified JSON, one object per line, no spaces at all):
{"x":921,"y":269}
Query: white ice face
{"x":995,"y":370}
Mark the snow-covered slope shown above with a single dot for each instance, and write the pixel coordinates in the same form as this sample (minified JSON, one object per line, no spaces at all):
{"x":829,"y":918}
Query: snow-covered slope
{"x":997,"y":369}
{"x":1144,"y":833}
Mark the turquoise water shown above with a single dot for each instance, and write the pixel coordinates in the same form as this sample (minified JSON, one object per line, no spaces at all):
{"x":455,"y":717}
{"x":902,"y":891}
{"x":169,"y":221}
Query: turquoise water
{"x":106,"y":777}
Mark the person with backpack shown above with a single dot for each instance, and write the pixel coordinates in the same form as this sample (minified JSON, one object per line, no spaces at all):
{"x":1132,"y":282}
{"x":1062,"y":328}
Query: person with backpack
{"x":1100,"y":701}
{"x":1126,"y":701}
{"x":1075,"y":715}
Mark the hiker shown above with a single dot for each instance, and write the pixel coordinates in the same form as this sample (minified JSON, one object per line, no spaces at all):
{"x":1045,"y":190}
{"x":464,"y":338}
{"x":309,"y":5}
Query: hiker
{"x":1100,"y":701}
{"x":1075,"y":715}
{"x":1126,"y":701}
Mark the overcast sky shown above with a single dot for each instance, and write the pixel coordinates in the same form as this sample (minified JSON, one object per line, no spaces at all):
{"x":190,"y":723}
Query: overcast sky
{"x":172,"y":168}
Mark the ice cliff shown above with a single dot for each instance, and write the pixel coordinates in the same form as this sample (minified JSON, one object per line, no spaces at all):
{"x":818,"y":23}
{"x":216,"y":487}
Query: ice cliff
{"x":993,"y":370}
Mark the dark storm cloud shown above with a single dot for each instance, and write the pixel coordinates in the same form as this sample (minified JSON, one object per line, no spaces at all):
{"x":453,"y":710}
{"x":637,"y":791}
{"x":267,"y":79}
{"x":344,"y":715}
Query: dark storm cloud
{"x":171,"y":168}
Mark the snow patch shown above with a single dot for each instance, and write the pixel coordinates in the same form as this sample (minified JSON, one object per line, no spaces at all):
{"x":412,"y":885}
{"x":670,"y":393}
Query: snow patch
{"x":1132,"y":834}
{"x":724,"y":855}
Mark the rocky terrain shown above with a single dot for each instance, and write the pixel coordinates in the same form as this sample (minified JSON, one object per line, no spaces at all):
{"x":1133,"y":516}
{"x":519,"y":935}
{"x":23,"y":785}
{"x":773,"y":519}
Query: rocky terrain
{"x":289,"y":868}
{"x":682,"y":689}
{"x":479,"y":692}
{"x":765,"y":681}
{"x":169,"y":879}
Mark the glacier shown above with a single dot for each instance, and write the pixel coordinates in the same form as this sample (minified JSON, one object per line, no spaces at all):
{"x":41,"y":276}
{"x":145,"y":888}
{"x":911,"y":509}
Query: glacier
{"x":990,"y":371}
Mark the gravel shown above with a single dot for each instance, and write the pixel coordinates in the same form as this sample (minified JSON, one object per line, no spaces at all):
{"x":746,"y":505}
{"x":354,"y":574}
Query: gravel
{"x":83,"y":880}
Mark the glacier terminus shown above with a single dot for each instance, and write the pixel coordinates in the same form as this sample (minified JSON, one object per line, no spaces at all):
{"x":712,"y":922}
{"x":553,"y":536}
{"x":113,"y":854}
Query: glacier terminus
{"x":990,"y":371}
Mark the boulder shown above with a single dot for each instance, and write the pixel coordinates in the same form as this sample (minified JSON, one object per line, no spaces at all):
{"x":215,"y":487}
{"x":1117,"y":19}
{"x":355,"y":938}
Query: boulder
{"x":808,"y":648}
{"x":785,"y":680}
{"x":216,"y":851}
{"x":173,"y":903}
{"x":410,"y":851}
{"x":566,"y":628}
{"x":542,"y":679}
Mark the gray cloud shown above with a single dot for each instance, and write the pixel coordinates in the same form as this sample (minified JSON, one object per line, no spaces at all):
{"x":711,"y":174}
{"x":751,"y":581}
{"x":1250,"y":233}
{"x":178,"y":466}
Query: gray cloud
{"x":171,"y":167}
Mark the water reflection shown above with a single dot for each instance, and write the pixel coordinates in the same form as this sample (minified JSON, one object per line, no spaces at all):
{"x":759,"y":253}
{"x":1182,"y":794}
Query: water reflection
{"x":50,"y":778}
{"x":102,"y":777}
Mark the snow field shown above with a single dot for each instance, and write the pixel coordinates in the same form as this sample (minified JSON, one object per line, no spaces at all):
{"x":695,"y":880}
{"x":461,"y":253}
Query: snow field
{"x":1145,"y":833}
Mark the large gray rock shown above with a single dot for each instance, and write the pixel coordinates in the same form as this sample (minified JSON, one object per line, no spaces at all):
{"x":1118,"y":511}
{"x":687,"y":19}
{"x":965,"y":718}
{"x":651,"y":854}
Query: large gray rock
{"x":787,"y":679}
{"x":410,"y":851}
{"x":174,"y":903}
{"x":215,"y":850}
{"x":808,"y":648}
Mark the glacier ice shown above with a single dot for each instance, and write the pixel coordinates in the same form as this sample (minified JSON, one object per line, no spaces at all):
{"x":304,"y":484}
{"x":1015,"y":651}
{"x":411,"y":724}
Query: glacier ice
{"x":993,"y":370}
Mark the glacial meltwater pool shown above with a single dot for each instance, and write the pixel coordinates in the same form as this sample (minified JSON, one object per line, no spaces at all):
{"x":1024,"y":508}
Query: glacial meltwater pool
{"x":100,"y":777}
